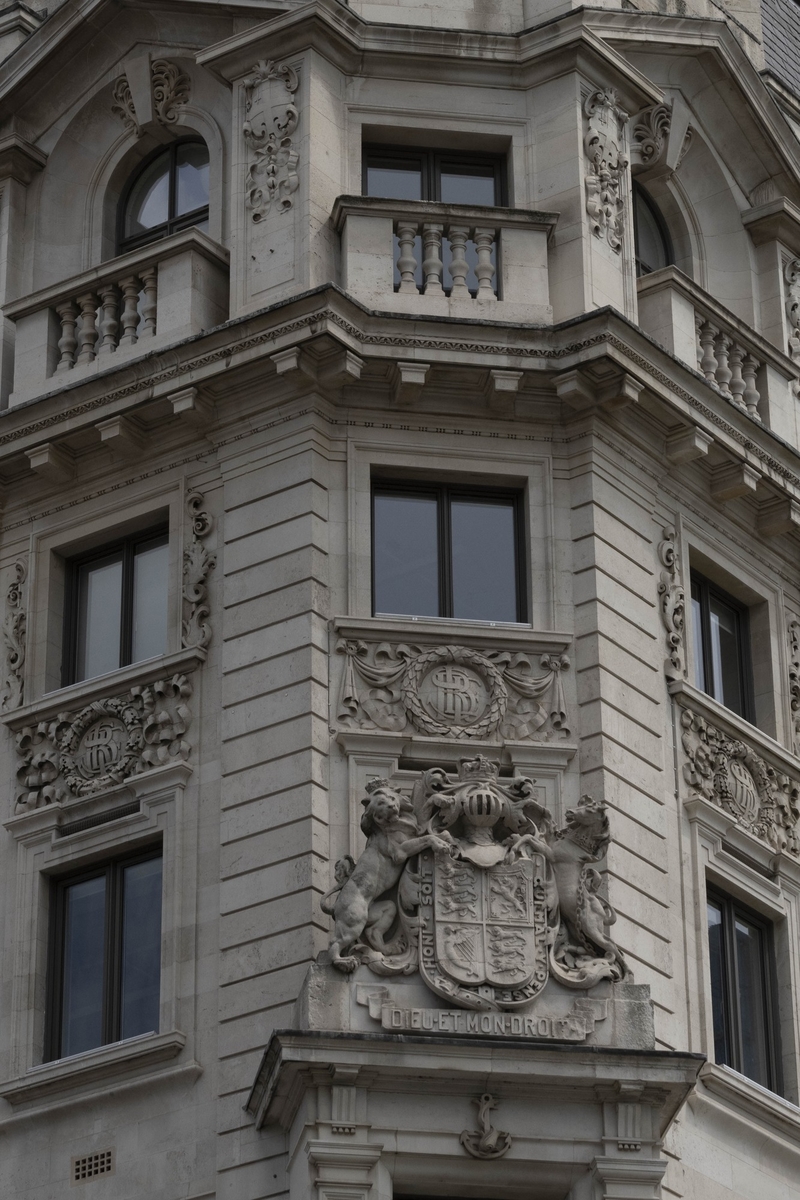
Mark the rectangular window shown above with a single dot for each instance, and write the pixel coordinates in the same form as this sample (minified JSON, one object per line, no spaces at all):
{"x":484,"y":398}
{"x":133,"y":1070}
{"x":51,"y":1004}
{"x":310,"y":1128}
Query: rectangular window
{"x":447,"y":551}
{"x":105,"y":955}
{"x":721,"y":642}
{"x":116,"y":610}
{"x":742,"y":990}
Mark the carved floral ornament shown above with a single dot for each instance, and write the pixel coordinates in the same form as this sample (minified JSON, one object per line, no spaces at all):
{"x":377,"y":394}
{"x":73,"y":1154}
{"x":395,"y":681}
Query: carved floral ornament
{"x":82,"y":752}
{"x":672,"y":605}
{"x":170,"y":88}
{"x":271,"y":119}
{"x":14,"y":630}
{"x":606,"y":165}
{"x":452,"y":691}
{"x":469,"y":882}
{"x":198,"y":561}
{"x":730,"y":774}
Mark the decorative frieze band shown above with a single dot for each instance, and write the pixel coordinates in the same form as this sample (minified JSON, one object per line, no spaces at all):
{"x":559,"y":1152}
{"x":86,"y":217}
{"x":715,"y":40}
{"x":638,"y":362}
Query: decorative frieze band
{"x":271,"y":119}
{"x":452,"y":691}
{"x":730,"y":774}
{"x":14,"y":630}
{"x":90,"y":750}
{"x":198,"y":560}
{"x":606,"y":165}
{"x":672,"y":605}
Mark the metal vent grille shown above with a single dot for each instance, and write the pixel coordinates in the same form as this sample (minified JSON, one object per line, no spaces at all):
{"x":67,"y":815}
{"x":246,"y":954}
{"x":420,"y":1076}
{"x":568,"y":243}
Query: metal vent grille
{"x":89,"y":1166}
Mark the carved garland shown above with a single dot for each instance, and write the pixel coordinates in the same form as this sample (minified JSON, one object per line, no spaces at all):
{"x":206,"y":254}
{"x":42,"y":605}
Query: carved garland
{"x":792,"y":276}
{"x":270,"y":122}
{"x":104,"y":743}
{"x":197,"y":562}
{"x":14,"y":629}
{"x":605,"y":174}
{"x":170,"y":88}
{"x":672,"y":605}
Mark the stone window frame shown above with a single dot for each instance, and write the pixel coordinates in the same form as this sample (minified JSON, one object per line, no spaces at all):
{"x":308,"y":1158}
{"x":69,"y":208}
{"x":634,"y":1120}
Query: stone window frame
{"x":80,"y":529}
{"x":444,"y":458}
{"x":163,"y":818}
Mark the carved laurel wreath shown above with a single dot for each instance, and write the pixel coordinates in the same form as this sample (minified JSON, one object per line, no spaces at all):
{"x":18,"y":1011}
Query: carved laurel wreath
{"x":120,"y":710}
{"x":418,"y":669}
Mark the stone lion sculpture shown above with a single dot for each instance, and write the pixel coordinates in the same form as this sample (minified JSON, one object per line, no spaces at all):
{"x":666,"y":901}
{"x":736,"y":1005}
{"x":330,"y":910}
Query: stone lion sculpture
{"x":358,"y":910}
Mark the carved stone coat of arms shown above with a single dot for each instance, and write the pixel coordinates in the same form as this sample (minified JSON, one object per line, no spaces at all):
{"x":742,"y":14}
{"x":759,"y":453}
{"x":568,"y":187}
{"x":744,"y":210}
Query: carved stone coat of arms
{"x":469,"y":882}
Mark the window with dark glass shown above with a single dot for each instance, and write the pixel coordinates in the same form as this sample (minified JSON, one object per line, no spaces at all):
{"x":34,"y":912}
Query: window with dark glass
{"x":116,"y":610}
{"x":720,"y":629}
{"x":447,"y":551}
{"x":743,"y":990}
{"x":651,"y":237}
{"x":169,"y":193}
{"x":442,"y":176}
{"x":105,"y":955}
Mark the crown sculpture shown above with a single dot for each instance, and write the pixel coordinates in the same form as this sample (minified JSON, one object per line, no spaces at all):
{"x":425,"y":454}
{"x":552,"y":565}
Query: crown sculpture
{"x":471,"y":884}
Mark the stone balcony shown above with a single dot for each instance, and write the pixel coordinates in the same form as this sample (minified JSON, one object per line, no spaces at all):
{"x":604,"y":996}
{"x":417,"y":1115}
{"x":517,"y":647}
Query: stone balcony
{"x":451,"y":260}
{"x":738,"y":362}
{"x":118,"y":311}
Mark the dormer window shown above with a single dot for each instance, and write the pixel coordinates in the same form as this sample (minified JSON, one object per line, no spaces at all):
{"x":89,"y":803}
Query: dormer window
{"x":169,"y":193}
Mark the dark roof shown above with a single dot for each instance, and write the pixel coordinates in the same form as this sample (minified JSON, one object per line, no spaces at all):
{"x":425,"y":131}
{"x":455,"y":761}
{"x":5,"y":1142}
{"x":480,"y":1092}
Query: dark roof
{"x":781,"y":31}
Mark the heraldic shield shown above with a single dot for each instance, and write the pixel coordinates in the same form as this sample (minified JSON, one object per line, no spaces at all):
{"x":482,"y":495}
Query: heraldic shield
{"x":483,"y":932}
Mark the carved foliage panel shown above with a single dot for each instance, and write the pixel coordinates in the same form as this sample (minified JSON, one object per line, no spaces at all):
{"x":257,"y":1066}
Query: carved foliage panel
{"x":271,"y":118}
{"x":170,"y":87}
{"x":606,"y":164}
{"x":14,"y":634}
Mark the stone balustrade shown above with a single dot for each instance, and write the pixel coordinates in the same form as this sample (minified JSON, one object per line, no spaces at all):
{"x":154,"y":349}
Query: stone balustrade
{"x":122,"y":309}
{"x":738,"y":362}
{"x":445,"y":259}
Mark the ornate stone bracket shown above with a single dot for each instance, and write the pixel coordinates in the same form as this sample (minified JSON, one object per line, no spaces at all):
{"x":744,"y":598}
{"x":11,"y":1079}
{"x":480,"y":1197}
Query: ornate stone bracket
{"x":80,"y":753}
{"x":271,"y":119}
{"x":452,"y":691}
{"x":170,"y":87}
{"x":606,"y":165}
{"x":197,"y":562}
{"x":792,"y":276}
{"x":672,"y":605}
{"x":730,"y":774}
{"x":14,"y":628}
{"x":649,"y":133}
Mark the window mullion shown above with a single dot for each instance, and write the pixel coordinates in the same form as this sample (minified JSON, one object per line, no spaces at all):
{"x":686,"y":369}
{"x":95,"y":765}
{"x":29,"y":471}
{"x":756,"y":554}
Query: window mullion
{"x":732,"y":971}
{"x":109,"y":982}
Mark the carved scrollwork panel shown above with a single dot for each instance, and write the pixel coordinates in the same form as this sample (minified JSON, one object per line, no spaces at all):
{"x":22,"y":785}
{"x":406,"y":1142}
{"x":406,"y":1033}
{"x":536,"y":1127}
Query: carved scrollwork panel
{"x":271,"y":119}
{"x":198,"y":561}
{"x":672,"y":605}
{"x":89,"y":750}
{"x":123,"y":106}
{"x":792,"y":277}
{"x":14,"y":633}
{"x":793,"y":633}
{"x":452,"y":691}
{"x":606,"y":165}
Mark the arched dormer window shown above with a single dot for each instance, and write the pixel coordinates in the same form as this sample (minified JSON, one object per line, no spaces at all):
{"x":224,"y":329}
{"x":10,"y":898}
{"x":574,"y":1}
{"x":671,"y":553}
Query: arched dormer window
{"x":653,"y":244}
{"x":168,"y":193}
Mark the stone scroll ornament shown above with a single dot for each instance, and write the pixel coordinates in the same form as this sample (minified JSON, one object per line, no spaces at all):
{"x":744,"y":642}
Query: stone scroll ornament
{"x":672,"y":605}
{"x":452,"y":691}
{"x":793,"y":632}
{"x":171,"y":88}
{"x":94,"y":748}
{"x":792,"y":277}
{"x":728,"y":773}
{"x":649,"y":133}
{"x":198,"y":561}
{"x":14,"y":630}
{"x":469,"y":882}
{"x":271,"y":119}
{"x":606,"y":165}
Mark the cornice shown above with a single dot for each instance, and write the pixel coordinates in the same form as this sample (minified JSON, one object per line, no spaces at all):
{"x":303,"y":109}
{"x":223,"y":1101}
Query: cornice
{"x":778,"y":220}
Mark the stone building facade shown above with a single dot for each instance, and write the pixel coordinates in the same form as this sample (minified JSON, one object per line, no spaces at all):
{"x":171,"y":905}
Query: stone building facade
{"x":400,"y":707}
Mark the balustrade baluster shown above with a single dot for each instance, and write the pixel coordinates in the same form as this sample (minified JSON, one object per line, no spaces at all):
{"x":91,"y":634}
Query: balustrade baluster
{"x":751,"y":395}
{"x":484,"y":271}
{"x":406,"y":262}
{"x":723,"y":376}
{"x":459,"y":267}
{"x":87,"y":335}
{"x":149,"y":277}
{"x":130,"y":312}
{"x":737,"y":383}
{"x":68,"y":315}
{"x":109,"y":318}
{"x":708,"y":360}
{"x":432,"y":266}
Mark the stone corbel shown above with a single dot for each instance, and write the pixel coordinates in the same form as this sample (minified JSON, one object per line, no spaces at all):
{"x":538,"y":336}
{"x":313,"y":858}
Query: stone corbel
{"x":51,"y":463}
{"x":20,"y":159}
{"x":685,"y":445}
{"x":502,"y":388}
{"x":295,"y":365}
{"x":341,"y":368}
{"x":778,"y":515}
{"x":191,"y":407}
{"x":729,"y":481}
{"x":649,"y":137}
{"x":409,"y":380}
{"x":149,"y":91}
{"x":602,"y":384}
{"x":122,"y":436}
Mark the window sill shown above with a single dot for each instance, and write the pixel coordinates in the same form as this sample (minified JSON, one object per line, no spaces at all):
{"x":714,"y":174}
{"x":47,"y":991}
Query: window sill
{"x":77,"y":695}
{"x":105,"y":1062}
{"x":735,"y":726}
{"x":451,"y":630}
{"x":751,"y":1099}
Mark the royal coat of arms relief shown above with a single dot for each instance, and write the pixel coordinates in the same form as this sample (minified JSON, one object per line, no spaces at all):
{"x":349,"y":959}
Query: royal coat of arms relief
{"x":469,"y":882}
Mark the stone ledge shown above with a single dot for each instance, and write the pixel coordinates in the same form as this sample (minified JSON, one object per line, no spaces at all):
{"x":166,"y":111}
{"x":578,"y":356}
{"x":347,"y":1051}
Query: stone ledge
{"x":445,"y":631}
{"x":752,"y":1100}
{"x":734,"y":726}
{"x":104,"y":1063}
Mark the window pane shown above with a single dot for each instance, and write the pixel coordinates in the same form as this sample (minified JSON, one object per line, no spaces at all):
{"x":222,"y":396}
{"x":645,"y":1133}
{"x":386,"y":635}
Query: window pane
{"x":192,"y":178}
{"x":484,"y":560}
{"x":84,"y":966}
{"x":467,"y":184}
{"x":395,"y":181}
{"x":719,"y":1001}
{"x":141,"y":948}
{"x":697,"y":641}
{"x":726,"y":654}
{"x":150,"y":566}
{"x":148,"y":203}
{"x":406,"y":541}
{"x":99,"y":616}
{"x":651,"y":249}
{"x":752,"y":1000}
